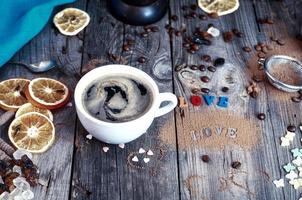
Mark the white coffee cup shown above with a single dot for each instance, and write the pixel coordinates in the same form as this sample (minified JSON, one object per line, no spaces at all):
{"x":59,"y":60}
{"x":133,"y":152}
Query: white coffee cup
{"x":123,"y":132}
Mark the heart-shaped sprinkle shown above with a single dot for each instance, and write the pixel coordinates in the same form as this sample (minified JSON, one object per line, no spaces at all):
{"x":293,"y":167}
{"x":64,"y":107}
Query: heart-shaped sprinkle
{"x":105,"y":149}
{"x":146,"y":160}
{"x":297,"y":161}
{"x":89,"y":137}
{"x":284,"y":141}
{"x":150,"y":153}
{"x":289,"y":167}
{"x":290,"y":135}
{"x":135,"y":159}
{"x":122,"y":145}
{"x":141,"y":150}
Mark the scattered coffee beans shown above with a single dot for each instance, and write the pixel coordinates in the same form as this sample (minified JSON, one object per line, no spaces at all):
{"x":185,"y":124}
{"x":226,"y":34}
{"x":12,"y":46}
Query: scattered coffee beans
{"x":236,"y":164}
{"x":219,"y":62}
{"x":228,"y":36}
{"x":296,"y":99}
{"x":206,"y":58}
{"x":213,"y":15}
{"x":141,"y":59}
{"x":246,"y":49}
{"x":205,"y":79}
{"x":202,"y":68}
{"x":205,"y":158}
{"x":211,"y":68}
{"x":261,"y":116}
{"x":205,"y":90}
{"x":224,"y":89}
{"x":291,"y":128}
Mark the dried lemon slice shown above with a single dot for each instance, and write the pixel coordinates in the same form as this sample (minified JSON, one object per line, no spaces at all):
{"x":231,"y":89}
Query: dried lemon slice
{"x":71,"y":21}
{"x":32,"y":132}
{"x":28,"y":107}
{"x":12,"y":93}
{"x":221,"y":7}
{"x":47,"y":93}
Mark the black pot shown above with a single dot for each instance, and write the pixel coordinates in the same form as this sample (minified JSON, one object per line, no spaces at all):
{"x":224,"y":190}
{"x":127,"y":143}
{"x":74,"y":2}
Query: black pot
{"x":138,"y":12}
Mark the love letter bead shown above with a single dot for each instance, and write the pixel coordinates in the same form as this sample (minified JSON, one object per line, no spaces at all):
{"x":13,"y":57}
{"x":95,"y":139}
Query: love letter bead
{"x":208,"y":99}
{"x":223,"y":102}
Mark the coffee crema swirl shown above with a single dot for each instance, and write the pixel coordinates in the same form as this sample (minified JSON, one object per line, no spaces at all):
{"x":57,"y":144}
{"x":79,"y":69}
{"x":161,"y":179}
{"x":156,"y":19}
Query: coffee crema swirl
{"x":117,"y":99}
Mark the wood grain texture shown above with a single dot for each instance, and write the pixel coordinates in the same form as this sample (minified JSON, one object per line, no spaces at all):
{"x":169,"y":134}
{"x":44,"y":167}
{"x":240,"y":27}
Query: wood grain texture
{"x":262,"y":164}
{"x":55,"y":164}
{"x":109,"y":175}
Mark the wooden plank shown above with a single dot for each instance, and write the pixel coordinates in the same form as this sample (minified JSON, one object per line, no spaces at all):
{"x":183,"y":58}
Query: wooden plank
{"x":216,"y":179}
{"x":283,"y":111}
{"x":55,"y":164}
{"x":113,"y":175}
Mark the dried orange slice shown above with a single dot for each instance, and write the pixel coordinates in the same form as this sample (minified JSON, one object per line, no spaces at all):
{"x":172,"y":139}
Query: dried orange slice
{"x":32,"y":132}
{"x":47,"y":93}
{"x":28,"y":107}
{"x":221,"y":7}
{"x":71,"y":21}
{"x":12,"y":93}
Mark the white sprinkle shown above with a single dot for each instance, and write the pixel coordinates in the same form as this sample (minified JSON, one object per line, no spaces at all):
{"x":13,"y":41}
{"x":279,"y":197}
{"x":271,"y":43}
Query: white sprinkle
{"x":105,"y":149}
{"x":300,"y":128}
{"x":297,"y":161}
{"x":284,"y":141}
{"x":291,"y":175}
{"x":150,"y":153}
{"x":135,"y":159}
{"x":89,"y":137}
{"x":146,"y":160}
{"x":296,"y":183}
{"x":69,"y":104}
{"x":122,"y":145}
{"x":141,"y":150}
{"x":279,"y":183}
{"x":213,"y":31}
{"x":290,"y":135}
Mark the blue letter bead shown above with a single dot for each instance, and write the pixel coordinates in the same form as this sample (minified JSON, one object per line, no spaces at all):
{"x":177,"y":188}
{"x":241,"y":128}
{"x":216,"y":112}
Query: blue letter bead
{"x":208,"y":99}
{"x":223,"y":102}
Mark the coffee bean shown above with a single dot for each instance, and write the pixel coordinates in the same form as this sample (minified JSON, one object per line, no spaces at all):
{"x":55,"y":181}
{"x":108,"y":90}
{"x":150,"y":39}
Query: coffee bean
{"x":236,"y":164}
{"x":257,"y":47}
{"x":269,"y":21}
{"x":211,"y":68}
{"x":177,"y":33}
{"x":219,"y":62}
{"x":205,"y":158}
{"x":256,"y":79}
{"x":224,"y":89}
{"x":197,"y":40}
{"x":280,"y":42}
{"x":228,"y":36}
{"x":261,"y":116}
{"x":206,"y":58}
{"x":141,"y":59}
{"x":174,"y":17}
{"x":180,"y":67}
{"x":296,"y":99}
{"x":205,"y":79}
{"x":202,"y":68}
{"x":126,"y":47}
{"x":186,"y":45}
{"x":193,"y":14}
{"x":205,"y":90}
{"x":193,"y":67}
{"x":254,"y":94}
{"x":203,"y":17}
{"x":195,"y":90}
{"x":193,"y":7}
{"x":269,"y":47}
{"x":291,"y":128}
{"x":144,"y":34}
{"x":264,"y":49}
{"x":154,"y":29}
{"x":274,"y":39}
{"x":246,"y":49}
{"x":261,"y":55}
{"x":191,"y":51}
{"x":213,"y":15}
{"x":195,"y":47}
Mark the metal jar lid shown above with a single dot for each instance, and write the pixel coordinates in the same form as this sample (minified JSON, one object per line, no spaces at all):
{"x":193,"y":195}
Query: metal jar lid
{"x":271,"y":62}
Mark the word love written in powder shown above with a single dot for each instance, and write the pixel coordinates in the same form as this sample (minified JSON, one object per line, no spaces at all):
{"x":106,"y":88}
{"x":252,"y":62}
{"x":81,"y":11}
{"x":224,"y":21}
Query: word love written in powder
{"x":209,"y":131}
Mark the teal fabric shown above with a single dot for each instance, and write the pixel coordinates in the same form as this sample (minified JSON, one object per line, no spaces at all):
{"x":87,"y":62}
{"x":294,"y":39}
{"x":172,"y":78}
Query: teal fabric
{"x":20,"y":21}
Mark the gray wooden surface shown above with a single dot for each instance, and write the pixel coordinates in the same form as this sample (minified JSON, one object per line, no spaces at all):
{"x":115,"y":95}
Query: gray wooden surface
{"x":78,"y":168}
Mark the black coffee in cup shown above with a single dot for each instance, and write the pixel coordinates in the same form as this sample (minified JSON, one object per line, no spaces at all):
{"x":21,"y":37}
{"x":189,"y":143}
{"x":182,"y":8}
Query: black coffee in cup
{"x":117,"y":98}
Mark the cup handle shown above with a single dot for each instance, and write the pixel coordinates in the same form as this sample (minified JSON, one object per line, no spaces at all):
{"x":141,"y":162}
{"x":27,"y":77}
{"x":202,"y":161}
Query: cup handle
{"x":171,"y":98}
